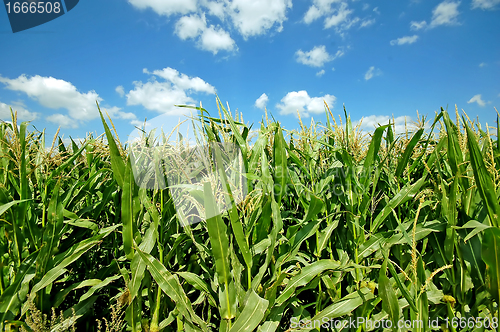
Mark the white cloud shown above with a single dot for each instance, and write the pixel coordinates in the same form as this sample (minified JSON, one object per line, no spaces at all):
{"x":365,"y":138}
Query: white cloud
{"x":376,"y":10}
{"x":56,"y":94}
{"x":337,"y":15}
{"x":255,"y":17}
{"x":163,"y":96}
{"x":366,"y":6}
{"x":485,"y":4}
{"x":482,"y":64}
{"x":216,"y":39}
{"x":215,"y":8}
{"x":208,"y":38}
{"x":190,"y":26}
{"x":249,"y":18}
{"x":182,"y":81}
{"x":404,"y":40}
{"x":167,"y":8}
{"x":340,"y":16}
{"x":115,"y":112}
{"x":261,"y":102}
{"x":445,"y":13}
{"x":372,"y":72}
{"x":371,"y":122}
{"x":316,"y":57}
{"x":367,"y":23}
{"x":477,"y":99}
{"x":62,"y":120}
{"x":312,"y":14}
{"x":22,"y":112}
{"x":301,"y":101}
{"x":120,"y":90}
{"x":417,"y":25}
{"x":320,"y":73}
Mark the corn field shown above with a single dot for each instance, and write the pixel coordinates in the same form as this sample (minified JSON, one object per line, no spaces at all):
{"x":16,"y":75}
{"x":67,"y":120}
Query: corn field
{"x":334,"y":225}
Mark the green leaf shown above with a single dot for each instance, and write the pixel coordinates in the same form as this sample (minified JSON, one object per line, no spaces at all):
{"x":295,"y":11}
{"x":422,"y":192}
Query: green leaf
{"x":476,"y":226}
{"x":491,"y":256}
{"x":15,"y":294}
{"x":389,"y":298}
{"x":305,"y":276}
{"x":171,"y":287}
{"x":484,"y":182}
{"x":408,"y":152}
{"x":199,"y":284}
{"x":344,"y":306}
{"x":98,"y":286}
{"x":217,"y":232}
{"x":402,"y":288}
{"x":376,"y":242}
{"x":325,"y":235}
{"x":407,"y":193}
{"x":5,"y":207}
{"x":70,"y":256}
{"x":314,"y":208}
{"x":372,"y":153}
{"x":252,"y":314}
{"x":280,"y":163}
{"x":117,"y":163}
{"x":127,"y":212}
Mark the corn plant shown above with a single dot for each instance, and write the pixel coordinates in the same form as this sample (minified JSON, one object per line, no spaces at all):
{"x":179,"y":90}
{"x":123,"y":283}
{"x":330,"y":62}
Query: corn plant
{"x":335,"y":224}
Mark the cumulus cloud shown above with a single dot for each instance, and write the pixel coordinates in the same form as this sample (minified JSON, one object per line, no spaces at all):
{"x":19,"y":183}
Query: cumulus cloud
{"x":190,"y":26}
{"x":175,"y":89}
{"x":253,"y":18}
{"x":320,"y":73}
{"x":249,"y":18}
{"x":182,"y":81}
{"x":485,"y":4}
{"x":477,"y":99}
{"x":215,"y":8}
{"x":301,"y":101}
{"x":367,"y":22}
{"x":446,"y":13}
{"x":372,"y":72}
{"x":214,"y":39}
{"x":166,"y":8}
{"x":418,"y":25}
{"x":115,"y":112}
{"x":208,"y":38}
{"x":62,"y":120}
{"x":120,"y":90}
{"x":56,"y":94}
{"x":20,"y":108}
{"x":482,"y":64}
{"x":337,"y":15}
{"x":261,"y":102}
{"x":404,"y":40}
{"x":312,"y":14}
{"x":401,"y":123}
{"x":316,"y":57}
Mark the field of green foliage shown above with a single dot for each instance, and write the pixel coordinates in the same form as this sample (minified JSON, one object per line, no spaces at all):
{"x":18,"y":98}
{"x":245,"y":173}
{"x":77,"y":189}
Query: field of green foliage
{"x":336,"y":227}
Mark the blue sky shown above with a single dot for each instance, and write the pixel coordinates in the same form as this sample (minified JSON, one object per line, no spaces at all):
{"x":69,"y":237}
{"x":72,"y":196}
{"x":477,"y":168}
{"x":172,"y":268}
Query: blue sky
{"x":141,"y":57}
